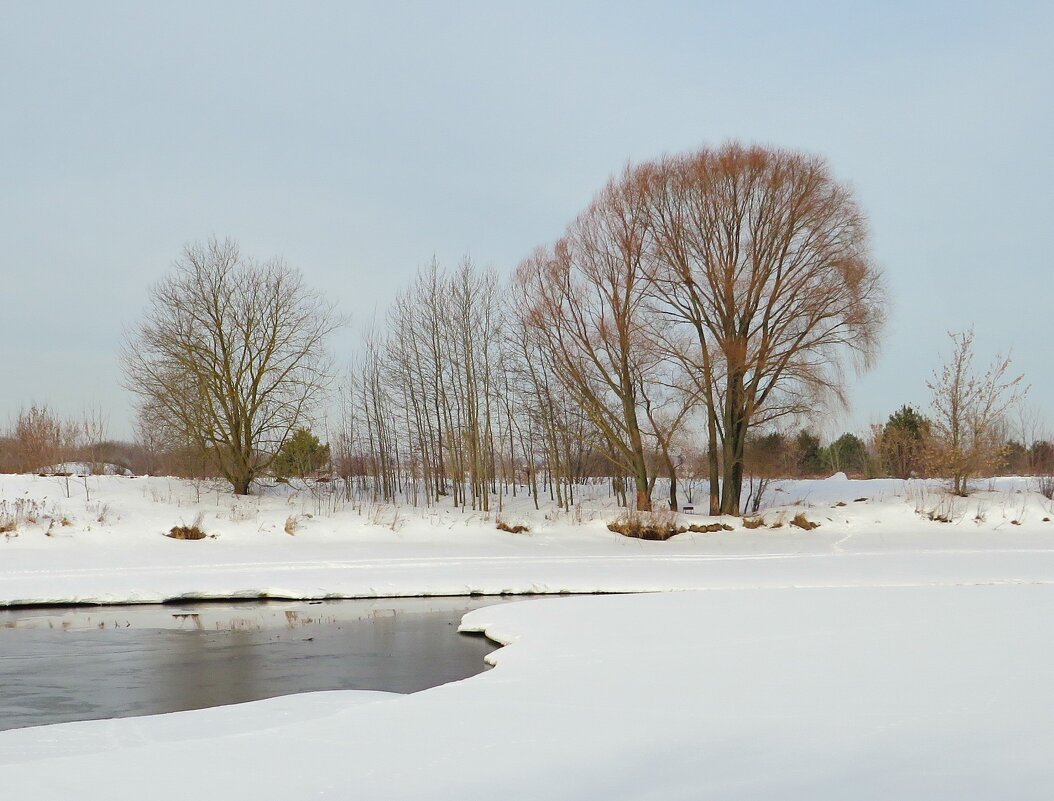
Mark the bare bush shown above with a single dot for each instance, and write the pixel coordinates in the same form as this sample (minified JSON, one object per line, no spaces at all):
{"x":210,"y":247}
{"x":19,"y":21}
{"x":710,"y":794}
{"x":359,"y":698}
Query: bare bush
{"x":42,"y":440}
{"x":969,"y":412}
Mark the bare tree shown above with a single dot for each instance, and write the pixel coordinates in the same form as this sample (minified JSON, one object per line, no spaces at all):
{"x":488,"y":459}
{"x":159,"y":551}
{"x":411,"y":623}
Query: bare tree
{"x":969,"y":413}
{"x":585,"y":306}
{"x":763,"y":257}
{"x":230,"y":356}
{"x":43,"y":441}
{"x":93,"y":427}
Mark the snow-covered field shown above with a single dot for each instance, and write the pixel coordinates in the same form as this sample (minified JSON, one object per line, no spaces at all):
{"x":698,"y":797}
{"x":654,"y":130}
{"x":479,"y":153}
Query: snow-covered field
{"x":882,"y":655}
{"x":104,"y":543}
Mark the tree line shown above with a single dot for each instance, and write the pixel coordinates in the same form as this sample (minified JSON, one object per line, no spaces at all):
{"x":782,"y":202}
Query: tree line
{"x":697,"y":308}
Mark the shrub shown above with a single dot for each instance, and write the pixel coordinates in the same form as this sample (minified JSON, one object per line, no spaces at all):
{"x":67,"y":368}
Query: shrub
{"x":300,"y":455}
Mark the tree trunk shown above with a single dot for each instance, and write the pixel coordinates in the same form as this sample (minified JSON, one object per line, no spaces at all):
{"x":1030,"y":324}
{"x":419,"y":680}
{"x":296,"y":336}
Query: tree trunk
{"x":643,"y":498}
{"x":714,"y":464}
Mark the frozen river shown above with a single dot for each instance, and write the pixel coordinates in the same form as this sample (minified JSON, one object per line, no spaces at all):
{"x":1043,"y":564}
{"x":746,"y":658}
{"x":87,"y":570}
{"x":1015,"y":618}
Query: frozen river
{"x":84,"y":663}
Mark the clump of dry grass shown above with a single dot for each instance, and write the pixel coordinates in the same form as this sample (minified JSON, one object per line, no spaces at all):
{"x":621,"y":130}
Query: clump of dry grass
{"x":800,"y":521}
{"x":519,"y":528}
{"x":647,"y":525}
{"x":186,"y":533}
{"x":753,"y":522}
{"x":22,"y":511}
{"x":191,"y":532}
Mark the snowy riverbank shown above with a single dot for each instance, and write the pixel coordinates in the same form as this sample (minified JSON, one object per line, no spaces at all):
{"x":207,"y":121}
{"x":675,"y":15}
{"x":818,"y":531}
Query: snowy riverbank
{"x":105,"y":544}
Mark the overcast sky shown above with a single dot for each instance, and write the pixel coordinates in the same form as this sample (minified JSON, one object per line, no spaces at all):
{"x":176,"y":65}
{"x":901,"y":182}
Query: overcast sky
{"x":357,"y":140}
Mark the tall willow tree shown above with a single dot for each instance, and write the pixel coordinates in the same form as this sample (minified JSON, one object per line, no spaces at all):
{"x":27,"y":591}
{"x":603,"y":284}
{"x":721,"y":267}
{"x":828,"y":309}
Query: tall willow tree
{"x":584,"y":303}
{"x":763,"y":256}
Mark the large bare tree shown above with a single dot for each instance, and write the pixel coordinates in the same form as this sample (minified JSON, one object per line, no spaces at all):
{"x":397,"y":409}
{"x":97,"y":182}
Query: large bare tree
{"x":230,"y":356}
{"x":585,"y":306}
{"x":764,"y":257}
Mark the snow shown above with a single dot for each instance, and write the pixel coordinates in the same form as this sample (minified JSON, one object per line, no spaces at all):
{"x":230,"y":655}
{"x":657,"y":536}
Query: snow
{"x":882,"y":655}
{"x":105,"y":543}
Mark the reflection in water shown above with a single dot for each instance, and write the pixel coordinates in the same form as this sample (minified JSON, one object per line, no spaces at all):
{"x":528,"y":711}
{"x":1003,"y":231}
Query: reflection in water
{"x":62,"y":665}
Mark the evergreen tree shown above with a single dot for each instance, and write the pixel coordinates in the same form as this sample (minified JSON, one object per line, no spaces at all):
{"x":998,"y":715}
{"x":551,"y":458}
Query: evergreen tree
{"x":301,"y":455}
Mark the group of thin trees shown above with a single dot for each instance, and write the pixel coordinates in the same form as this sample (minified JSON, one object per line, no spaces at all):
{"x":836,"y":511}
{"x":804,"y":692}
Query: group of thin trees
{"x":450,"y":402}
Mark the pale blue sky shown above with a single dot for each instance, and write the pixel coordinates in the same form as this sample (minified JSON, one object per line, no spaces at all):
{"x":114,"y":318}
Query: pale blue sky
{"x":356,"y":140}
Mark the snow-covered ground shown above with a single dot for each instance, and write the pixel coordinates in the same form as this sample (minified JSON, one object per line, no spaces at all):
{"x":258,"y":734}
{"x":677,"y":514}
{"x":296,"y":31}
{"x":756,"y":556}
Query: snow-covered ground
{"x":104,"y":543}
{"x":883,"y":655}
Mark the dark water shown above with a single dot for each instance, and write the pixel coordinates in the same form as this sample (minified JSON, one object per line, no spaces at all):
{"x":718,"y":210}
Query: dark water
{"x":60,"y":665}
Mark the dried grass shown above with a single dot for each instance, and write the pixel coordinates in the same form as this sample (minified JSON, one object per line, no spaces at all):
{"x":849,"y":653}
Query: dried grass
{"x":518,"y":528}
{"x":647,"y":525}
{"x":191,"y":532}
{"x":800,"y":521}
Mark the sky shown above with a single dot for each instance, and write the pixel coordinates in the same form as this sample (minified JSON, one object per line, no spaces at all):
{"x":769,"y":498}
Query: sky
{"x":358,"y":140}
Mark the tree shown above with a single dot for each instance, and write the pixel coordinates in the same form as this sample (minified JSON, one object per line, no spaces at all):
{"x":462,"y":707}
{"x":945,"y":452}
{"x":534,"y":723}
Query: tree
{"x":847,"y":454}
{"x":300,"y":455}
{"x":810,"y":457}
{"x":763,"y":257}
{"x":767,"y":456}
{"x":230,"y":357}
{"x":584,"y":305}
{"x":969,"y":413}
{"x":42,"y":439}
{"x":902,"y":442}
